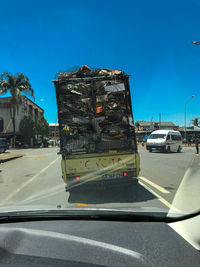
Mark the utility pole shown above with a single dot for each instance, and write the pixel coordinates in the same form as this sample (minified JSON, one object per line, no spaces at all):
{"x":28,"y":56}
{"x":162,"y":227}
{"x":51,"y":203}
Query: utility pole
{"x":185,"y":112}
{"x":159,"y":120}
{"x":151,"y":128}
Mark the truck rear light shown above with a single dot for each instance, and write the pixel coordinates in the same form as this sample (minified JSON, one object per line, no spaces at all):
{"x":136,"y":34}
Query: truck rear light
{"x":130,"y":174}
{"x":74,"y":178}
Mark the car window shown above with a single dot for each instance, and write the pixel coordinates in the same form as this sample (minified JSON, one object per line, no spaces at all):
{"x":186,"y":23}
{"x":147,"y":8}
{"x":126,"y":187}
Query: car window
{"x":157,"y":136}
{"x":176,"y":137}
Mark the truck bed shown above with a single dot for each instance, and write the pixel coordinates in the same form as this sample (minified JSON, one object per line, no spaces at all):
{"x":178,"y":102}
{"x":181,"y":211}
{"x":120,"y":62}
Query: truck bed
{"x":94,"y":112}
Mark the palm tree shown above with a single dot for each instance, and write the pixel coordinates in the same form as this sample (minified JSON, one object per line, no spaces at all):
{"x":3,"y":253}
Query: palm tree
{"x":15,"y":85}
{"x":195,"y":121}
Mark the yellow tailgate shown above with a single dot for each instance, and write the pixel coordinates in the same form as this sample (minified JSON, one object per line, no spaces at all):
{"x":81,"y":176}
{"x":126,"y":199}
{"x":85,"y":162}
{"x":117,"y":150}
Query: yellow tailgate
{"x":99,"y":165}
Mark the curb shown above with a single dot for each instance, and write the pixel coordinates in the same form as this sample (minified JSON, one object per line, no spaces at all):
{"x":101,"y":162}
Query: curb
{"x":11,"y":158}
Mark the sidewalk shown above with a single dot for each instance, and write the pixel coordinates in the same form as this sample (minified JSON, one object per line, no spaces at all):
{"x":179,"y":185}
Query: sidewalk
{"x":9,"y":156}
{"x":185,"y":145}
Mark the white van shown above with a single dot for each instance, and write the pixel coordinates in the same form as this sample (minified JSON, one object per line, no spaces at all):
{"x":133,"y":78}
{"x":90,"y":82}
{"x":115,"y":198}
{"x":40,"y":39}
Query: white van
{"x":164,"y":140}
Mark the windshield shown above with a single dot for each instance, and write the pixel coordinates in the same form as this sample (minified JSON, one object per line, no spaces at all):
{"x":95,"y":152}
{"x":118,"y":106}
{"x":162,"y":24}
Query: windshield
{"x":157,"y":136}
{"x":80,"y":97}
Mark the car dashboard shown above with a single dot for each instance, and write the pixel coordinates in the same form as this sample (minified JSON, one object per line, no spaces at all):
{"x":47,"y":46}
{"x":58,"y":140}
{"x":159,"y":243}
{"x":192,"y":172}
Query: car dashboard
{"x":93,"y":243}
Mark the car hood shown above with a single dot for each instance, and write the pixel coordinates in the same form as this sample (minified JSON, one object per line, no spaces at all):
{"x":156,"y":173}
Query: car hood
{"x":45,"y":209}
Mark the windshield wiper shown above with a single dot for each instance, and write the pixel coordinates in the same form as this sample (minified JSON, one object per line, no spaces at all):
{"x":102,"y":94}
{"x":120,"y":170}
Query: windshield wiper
{"x":92,"y":214}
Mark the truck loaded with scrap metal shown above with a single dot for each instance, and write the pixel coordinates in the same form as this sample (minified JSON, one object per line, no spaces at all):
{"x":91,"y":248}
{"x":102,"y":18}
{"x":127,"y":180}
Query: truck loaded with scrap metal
{"x":97,"y":134}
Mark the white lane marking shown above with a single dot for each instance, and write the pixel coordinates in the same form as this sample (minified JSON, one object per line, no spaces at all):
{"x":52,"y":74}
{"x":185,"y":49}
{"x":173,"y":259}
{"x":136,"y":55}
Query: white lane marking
{"x":29,"y":181}
{"x":158,"y":187}
{"x":59,"y":189}
{"x":165,"y":202}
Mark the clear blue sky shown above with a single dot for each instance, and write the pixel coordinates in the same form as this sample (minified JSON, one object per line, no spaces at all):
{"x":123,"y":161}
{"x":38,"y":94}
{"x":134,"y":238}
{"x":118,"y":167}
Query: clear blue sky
{"x":149,"y":39}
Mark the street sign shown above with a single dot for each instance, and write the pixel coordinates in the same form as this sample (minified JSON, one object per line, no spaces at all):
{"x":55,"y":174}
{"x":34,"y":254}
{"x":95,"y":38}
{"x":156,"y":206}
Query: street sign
{"x":176,"y":128}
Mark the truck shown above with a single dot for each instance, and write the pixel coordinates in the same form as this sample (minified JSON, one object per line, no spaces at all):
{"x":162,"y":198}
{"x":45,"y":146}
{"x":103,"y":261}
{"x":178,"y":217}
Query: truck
{"x":97,"y":134}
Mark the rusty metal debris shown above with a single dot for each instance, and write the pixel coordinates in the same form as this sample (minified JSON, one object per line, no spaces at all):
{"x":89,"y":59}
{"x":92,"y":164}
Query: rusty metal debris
{"x":94,"y":110}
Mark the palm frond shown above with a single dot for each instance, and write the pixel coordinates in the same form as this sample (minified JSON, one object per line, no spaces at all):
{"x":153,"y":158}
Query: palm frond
{"x":4,"y":84}
{"x":22,"y":82}
{"x":16,"y":85}
{"x":11,"y":80}
{"x":5,"y":75}
{"x":7,"y":82}
{"x":3,"y":89}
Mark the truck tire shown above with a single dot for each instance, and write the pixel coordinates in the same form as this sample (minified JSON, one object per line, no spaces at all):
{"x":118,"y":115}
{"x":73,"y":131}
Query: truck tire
{"x":168,"y":149}
{"x":179,"y":149}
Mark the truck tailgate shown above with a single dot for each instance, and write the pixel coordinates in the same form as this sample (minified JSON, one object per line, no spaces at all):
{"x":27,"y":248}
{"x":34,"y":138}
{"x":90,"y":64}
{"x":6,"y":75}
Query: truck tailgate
{"x":100,"y":164}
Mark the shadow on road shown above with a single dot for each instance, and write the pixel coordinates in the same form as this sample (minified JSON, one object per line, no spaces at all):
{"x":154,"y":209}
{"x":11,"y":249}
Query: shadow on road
{"x":125,"y":194}
{"x":165,"y":152}
{"x":169,"y":188}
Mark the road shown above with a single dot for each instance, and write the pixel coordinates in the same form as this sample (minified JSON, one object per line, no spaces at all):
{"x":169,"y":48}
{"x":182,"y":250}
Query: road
{"x":35,"y":179}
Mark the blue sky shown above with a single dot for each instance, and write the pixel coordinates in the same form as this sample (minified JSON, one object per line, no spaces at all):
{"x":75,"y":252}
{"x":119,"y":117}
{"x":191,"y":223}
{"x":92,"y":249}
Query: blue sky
{"x":151,"y":40}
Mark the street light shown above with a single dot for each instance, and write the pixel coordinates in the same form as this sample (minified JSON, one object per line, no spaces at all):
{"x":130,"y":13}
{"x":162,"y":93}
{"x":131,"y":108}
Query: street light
{"x":185,"y":112}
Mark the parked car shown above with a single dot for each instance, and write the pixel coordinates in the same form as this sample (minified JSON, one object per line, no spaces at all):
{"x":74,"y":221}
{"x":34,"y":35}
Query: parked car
{"x":3,"y":145}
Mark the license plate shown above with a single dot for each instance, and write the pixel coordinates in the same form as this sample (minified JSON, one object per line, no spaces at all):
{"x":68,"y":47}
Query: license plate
{"x":111,"y":176}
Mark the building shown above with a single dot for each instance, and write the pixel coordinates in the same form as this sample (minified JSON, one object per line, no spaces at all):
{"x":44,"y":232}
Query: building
{"x":145,"y":128}
{"x":151,"y":126}
{"x":27,"y":107}
{"x":54,"y":131}
{"x":168,"y":125}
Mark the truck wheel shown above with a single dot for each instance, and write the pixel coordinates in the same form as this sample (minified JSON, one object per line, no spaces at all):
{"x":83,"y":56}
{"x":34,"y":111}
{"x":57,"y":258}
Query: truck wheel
{"x":179,"y":149}
{"x":150,"y":150}
{"x":168,"y":149}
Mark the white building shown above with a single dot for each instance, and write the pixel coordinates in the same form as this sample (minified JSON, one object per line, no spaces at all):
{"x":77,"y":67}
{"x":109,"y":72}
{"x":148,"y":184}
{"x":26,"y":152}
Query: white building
{"x":27,"y":107}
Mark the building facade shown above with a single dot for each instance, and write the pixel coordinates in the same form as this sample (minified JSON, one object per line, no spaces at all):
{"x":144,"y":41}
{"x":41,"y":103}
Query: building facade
{"x":145,"y":128}
{"x":151,"y":126}
{"x":27,"y":107}
{"x":54,"y":131}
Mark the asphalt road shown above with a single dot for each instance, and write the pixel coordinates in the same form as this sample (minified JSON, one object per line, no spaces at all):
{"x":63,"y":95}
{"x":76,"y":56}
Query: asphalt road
{"x":166,"y":169}
{"x":35,"y":179}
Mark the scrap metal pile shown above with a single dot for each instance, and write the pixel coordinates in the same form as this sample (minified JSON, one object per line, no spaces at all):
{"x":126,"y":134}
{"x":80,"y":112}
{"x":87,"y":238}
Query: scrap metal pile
{"x":94,"y":110}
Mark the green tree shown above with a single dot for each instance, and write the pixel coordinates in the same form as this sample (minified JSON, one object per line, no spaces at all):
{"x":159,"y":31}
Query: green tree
{"x":27,"y":127}
{"x":195,"y":121}
{"x":15,"y":84}
{"x":42,"y":127}
{"x":137,"y":124}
